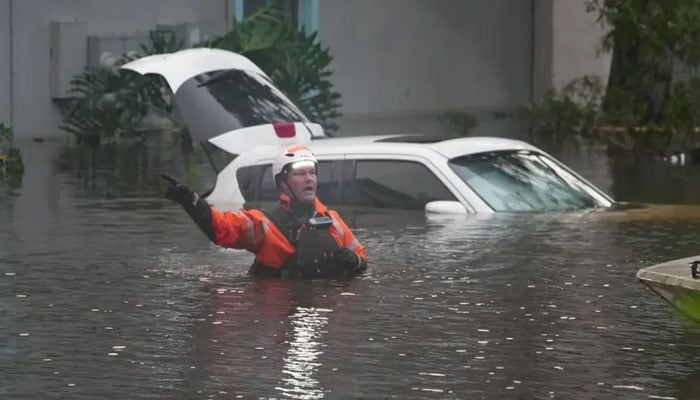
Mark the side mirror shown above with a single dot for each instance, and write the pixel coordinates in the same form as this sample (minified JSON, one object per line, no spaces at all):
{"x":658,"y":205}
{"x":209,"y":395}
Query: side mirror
{"x":445,"y":207}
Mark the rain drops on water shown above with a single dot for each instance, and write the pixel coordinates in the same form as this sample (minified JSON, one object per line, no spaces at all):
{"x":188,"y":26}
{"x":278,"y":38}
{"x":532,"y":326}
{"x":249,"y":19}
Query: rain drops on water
{"x":431,"y":374}
{"x":631,"y":387}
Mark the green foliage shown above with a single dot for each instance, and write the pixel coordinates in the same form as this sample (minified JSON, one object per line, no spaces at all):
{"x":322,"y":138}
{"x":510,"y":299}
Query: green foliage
{"x":295,"y":61}
{"x":657,"y":28}
{"x":680,"y":128}
{"x":462,"y":123}
{"x":683,"y":107}
{"x":111,"y":103}
{"x":561,"y":116}
{"x":575,"y":112}
{"x":650,"y":41}
{"x":160,"y":42}
{"x":11,"y":165}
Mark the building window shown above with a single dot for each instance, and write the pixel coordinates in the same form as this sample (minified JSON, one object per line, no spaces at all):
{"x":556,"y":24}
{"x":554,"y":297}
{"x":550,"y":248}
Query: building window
{"x":301,"y":13}
{"x":268,"y":189}
{"x":288,"y":8}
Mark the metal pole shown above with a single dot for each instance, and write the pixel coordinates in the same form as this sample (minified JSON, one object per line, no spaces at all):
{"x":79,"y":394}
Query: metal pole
{"x":11,"y":61}
{"x":533,"y":39}
{"x":239,"y":10}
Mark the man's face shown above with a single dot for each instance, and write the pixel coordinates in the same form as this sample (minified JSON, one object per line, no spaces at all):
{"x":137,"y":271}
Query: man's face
{"x":301,"y":182}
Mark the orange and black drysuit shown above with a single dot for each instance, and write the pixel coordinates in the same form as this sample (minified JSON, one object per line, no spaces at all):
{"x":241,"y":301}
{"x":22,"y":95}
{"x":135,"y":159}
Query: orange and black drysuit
{"x":291,"y":239}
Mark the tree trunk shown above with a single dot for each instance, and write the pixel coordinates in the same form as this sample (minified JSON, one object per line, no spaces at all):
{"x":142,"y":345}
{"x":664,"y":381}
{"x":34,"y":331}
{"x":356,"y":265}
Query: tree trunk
{"x":638,"y":86}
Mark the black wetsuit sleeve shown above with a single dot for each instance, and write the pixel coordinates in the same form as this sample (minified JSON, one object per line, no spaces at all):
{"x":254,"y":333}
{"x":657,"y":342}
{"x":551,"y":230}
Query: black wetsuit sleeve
{"x":200,"y":212}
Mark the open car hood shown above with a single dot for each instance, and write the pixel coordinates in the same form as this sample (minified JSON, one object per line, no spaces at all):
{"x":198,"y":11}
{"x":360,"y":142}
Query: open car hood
{"x":226,"y":100}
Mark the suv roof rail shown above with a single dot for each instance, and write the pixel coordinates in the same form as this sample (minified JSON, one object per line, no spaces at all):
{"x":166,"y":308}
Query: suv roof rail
{"x":417,"y":138}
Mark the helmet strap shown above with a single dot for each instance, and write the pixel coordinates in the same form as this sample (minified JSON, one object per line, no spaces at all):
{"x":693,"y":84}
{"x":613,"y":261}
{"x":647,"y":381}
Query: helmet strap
{"x":284,"y":186}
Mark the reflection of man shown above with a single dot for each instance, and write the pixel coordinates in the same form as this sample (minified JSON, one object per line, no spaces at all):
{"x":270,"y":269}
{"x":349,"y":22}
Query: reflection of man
{"x":298,"y":238}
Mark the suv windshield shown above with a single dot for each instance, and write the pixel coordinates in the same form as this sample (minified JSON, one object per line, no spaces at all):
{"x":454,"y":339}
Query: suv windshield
{"x":525,"y":181}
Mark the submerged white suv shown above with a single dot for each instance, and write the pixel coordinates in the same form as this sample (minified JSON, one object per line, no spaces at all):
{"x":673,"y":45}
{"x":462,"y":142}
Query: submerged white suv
{"x":231,"y":108}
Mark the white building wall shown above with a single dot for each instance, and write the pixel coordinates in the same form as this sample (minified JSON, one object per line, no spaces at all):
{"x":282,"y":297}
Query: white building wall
{"x":576,"y":43}
{"x":542,"y":48}
{"x":401,"y":63}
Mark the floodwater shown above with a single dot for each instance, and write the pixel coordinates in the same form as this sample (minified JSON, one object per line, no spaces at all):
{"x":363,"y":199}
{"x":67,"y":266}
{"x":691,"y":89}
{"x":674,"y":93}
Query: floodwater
{"x":109,"y":291}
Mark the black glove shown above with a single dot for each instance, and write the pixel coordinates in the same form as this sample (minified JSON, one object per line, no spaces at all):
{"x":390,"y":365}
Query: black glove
{"x":179,"y":192}
{"x":198,"y":209}
{"x":347,"y":260}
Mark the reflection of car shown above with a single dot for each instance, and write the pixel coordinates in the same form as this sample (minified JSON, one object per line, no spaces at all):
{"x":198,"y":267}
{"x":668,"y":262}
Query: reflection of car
{"x":232,"y":109}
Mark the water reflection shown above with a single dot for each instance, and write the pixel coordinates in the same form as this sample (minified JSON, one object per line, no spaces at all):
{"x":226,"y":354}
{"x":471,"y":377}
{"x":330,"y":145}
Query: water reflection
{"x":302,"y":359}
{"x":654,"y":181}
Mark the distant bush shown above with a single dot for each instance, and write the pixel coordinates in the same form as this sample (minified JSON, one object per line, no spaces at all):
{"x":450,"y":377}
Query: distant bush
{"x":11,"y":165}
{"x":460,"y":123}
{"x":564,"y":116}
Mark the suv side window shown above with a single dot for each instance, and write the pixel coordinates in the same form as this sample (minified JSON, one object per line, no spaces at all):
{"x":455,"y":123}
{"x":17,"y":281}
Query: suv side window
{"x":396,"y":184}
{"x":328,"y":183}
{"x":248,"y":178}
{"x":267,"y":191}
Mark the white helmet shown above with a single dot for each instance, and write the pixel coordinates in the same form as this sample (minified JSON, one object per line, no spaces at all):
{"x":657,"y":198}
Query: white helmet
{"x":291,"y":155}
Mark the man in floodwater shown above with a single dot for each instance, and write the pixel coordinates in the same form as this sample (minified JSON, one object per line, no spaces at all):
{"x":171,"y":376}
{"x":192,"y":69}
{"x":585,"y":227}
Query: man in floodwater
{"x":299,"y":238}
